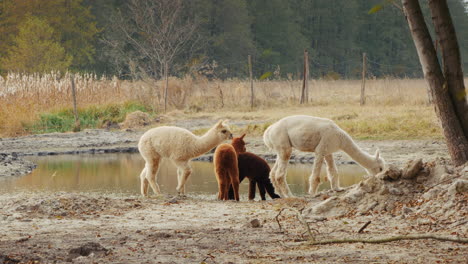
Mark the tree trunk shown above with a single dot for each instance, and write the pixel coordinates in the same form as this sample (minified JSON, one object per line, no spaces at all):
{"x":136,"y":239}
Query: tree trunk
{"x":457,"y":142}
{"x":451,"y":59}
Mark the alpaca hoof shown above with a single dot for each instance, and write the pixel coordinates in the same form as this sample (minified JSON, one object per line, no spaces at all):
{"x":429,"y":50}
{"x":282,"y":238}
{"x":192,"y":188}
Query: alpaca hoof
{"x":338,"y":189}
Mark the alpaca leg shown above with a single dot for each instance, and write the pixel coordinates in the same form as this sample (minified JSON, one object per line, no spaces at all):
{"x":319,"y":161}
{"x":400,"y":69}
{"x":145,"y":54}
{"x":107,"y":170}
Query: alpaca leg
{"x":261,"y":190}
{"x":152,"y":167}
{"x":332,"y":173}
{"x":252,"y":186}
{"x":144,"y":183}
{"x":222,"y":186}
{"x":314,"y":179}
{"x":180,"y":174}
{"x":273,"y":175}
{"x":281,"y":174}
{"x":234,"y":179}
{"x":184,"y":166}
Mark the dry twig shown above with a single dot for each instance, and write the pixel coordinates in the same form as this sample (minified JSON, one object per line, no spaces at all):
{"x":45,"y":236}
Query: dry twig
{"x":364,"y":227}
{"x":300,"y":218}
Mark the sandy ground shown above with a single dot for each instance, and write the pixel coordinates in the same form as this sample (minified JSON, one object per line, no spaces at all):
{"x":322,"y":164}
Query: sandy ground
{"x":92,"y":228}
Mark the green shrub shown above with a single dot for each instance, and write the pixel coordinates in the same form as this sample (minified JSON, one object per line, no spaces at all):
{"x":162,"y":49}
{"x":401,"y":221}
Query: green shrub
{"x":90,"y":117}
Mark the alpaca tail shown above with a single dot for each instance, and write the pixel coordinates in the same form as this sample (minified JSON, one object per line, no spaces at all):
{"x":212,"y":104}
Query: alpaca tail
{"x":266,"y":138}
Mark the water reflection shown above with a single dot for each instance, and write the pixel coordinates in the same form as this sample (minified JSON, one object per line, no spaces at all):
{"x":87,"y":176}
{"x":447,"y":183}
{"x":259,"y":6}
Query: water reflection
{"x":119,"y":173}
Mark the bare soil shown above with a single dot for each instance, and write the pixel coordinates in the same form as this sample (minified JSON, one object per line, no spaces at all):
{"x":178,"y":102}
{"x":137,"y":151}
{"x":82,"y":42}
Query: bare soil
{"x":107,"y":228}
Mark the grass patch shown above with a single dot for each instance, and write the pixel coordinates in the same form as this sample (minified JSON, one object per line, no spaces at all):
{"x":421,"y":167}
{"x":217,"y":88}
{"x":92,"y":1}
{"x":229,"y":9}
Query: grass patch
{"x":90,"y":117}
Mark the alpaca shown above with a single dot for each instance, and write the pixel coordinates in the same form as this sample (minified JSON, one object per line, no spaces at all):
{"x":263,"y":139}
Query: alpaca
{"x":313,"y":134}
{"x":178,"y":145}
{"x":226,"y":170}
{"x":255,"y":168}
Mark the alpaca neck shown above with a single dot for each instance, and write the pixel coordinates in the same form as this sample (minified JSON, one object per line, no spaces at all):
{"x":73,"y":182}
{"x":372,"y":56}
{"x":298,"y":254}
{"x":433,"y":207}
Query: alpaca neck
{"x":356,"y":153}
{"x":206,"y":142}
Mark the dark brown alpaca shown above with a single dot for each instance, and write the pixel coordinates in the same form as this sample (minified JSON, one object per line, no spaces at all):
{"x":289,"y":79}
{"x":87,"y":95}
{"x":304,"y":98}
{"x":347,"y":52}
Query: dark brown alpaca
{"x":255,"y":168}
{"x":227,"y":171}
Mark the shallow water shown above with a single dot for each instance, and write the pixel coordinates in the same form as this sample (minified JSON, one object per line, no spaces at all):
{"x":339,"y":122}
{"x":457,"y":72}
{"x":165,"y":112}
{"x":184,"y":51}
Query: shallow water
{"x":119,"y":173}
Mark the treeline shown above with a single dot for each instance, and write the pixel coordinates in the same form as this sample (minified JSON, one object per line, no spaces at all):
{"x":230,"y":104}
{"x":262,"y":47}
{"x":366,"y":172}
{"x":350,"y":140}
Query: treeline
{"x":152,"y":38}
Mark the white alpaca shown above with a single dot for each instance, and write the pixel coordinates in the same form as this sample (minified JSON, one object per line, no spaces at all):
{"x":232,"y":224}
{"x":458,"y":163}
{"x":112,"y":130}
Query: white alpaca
{"x":178,"y":145}
{"x":313,"y":134}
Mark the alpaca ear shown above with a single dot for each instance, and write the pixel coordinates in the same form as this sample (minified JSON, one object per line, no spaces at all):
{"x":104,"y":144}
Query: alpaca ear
{"x":242,"y":137}
{"x":225,"y":121}
{"x":377,"y":154}
{"x":219,"y":124}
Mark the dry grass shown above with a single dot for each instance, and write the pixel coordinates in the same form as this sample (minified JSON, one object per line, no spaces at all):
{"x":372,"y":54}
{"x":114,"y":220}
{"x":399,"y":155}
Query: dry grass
{"x":395,"y":108}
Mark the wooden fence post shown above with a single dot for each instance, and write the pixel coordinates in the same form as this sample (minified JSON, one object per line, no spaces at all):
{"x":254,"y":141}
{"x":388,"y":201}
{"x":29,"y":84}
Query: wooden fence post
{"x":305,"y":79}
{"x":77,"y":126}
{"x":363,"y":84}
{"x":251,"y":83}
{"x":166,"y":78}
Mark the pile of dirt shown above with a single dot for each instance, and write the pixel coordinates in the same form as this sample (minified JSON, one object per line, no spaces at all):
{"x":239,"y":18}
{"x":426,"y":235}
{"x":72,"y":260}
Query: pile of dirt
{"x":67,"y":205}
{"x":428,"y":191}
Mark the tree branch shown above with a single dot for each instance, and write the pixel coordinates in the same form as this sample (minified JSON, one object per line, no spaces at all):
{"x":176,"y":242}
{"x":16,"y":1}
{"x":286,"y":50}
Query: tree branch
{"x":390,"y":239}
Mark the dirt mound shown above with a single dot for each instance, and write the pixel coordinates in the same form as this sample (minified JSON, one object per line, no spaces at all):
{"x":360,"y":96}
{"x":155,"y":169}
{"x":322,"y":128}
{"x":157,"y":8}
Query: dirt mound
{"x":137,"y":119}
{"x":69,"y":205}
{"x":428,"y":191}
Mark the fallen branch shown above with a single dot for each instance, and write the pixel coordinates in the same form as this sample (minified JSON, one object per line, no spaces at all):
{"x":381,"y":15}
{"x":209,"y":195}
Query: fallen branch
{"x":390,"y":239}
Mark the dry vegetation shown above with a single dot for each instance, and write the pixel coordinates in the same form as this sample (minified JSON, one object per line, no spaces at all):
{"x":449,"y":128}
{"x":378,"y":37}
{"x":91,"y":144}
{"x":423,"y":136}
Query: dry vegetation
{"x":396,"y":108}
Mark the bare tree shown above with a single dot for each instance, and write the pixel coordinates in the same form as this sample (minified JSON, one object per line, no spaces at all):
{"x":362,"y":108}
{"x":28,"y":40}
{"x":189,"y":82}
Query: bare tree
{"x":446,"y":87}
{"x":152,"y":35}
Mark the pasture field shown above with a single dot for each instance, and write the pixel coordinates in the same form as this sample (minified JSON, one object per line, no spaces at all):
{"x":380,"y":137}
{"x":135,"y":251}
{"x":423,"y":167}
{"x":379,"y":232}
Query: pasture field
{"x":67,"y":226}
{"x":394,"y":109}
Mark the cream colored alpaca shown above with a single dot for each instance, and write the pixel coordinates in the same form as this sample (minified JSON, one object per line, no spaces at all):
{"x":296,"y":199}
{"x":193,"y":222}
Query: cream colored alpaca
{"x":180,"y":146}
{"x":313,"y":134}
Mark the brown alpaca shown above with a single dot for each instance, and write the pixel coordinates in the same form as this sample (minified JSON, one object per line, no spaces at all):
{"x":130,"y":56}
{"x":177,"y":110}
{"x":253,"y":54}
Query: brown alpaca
{"x":226,"y":170}
{"x":255,"y":168}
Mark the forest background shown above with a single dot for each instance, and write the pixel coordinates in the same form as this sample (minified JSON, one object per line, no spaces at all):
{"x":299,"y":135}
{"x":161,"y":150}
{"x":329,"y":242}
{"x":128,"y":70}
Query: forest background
{"x":88,"y":36}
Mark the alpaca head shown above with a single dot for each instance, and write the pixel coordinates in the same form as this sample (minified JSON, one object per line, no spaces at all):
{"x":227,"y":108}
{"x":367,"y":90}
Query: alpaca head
{"x":222,"y":130}
{"x":379,"y":164}
{"x":239,"y":144}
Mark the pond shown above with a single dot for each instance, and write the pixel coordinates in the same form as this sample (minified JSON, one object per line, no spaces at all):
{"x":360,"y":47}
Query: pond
{"x":119,"y":173}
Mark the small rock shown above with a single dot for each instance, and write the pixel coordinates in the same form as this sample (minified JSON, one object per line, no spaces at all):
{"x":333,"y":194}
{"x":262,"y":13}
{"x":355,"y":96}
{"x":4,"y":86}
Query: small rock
{"x":255,"y":223}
